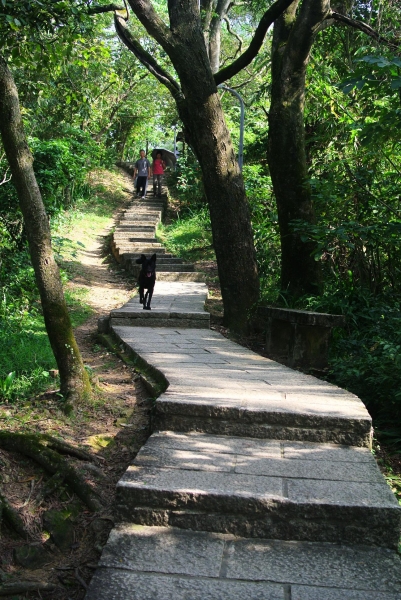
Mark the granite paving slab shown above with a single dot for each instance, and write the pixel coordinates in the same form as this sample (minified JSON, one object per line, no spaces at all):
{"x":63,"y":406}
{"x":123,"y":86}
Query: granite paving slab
{"x":216,"y":386}
{"x":287,"y":498}
{"x":165,"y":563}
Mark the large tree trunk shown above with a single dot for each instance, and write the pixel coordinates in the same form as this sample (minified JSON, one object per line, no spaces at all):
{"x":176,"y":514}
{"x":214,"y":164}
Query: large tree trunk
{"x":199,"y":107}
{"x":203,"y":118}
{"x":73,"y":377}
{"x":292,"y":40}
{"x":232,"y":233}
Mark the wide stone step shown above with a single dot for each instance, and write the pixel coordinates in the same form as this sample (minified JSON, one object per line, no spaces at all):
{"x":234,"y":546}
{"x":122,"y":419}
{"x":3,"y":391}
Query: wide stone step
{"x":127,"y":238}
{"x":165,"y":268}
{"x":137,"y":228}
{"x":138,"y":246}
{"x":219,"y":387}
{"x":194,"y":276}
{"x":133,"y":315}
{"x":169,"y":261}
{"x":187,"y":267}
{"x":129,"y":258}
{"x":143,"y":210}
{"x":166,"y":563}
{"x":260,"y":489}
{"x":142,"y":219}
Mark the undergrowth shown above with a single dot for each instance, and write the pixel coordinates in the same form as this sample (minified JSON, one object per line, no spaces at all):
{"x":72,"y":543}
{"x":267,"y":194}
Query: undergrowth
{"x":26,"y":357}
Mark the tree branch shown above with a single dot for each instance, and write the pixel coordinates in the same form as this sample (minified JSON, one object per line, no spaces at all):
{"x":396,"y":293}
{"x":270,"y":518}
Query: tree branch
{"x":247,"y":57}
{"x":145,"y":58}
{"x":364,"y":28}
{"x":240,"y":41}
{"x":153,"y":24}
{"x":97,"y":9}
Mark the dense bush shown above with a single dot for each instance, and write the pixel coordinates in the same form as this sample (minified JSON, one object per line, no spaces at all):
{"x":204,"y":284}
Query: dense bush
{"x":186,"y":184}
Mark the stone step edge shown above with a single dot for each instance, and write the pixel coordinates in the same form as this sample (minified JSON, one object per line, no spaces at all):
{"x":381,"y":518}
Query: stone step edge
{"x":212,"y":566}
{"x":255,"y":526}
{"x":184,"y":423}
{"x":154,"y":380}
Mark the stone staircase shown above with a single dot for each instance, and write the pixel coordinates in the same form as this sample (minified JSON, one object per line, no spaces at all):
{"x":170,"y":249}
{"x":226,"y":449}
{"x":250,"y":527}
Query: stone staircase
{"x":135,"y":234}
{"x":257,"y":483}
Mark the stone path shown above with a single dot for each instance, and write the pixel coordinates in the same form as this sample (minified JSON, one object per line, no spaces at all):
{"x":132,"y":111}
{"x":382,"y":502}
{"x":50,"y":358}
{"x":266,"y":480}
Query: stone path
{"x":258,"y":482}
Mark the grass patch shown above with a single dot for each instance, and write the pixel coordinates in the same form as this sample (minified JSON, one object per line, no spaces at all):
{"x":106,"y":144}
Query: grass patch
{"x":25,"y":350}
{"x":79,"y":310}
{"x":189,"y":237}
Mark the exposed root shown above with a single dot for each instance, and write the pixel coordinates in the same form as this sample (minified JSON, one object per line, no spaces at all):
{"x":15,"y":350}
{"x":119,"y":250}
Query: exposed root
{"x":12,"y":518}
{"x":64,"y":447}
{"x":37,"y":448}
{"x":50,"y":487}
{"x":21,"y":587}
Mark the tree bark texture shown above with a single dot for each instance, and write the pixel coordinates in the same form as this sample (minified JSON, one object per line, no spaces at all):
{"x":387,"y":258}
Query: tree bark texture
{"x":200,"y":110}
{"x":293,"y":37}
{"x":73,"y":377}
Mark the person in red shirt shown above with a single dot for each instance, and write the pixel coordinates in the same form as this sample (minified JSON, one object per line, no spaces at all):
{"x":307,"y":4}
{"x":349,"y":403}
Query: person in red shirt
{"x":158,"y":170}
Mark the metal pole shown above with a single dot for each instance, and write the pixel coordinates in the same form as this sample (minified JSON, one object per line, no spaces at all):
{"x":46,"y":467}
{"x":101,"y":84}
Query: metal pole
{"x":175,"y":146}
{"x":242,"y":121}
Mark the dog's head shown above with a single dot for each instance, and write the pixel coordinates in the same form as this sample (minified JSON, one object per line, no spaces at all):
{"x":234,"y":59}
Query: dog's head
{"x":148,"y":264}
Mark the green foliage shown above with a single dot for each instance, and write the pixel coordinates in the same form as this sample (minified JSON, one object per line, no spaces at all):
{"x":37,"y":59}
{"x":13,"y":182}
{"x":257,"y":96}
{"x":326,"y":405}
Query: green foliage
{"x":187,"y":185}
{"x":265,"y":227}
{"x":189,"y":237}
{"x":366,"y":357}
{"x":60,"y":168}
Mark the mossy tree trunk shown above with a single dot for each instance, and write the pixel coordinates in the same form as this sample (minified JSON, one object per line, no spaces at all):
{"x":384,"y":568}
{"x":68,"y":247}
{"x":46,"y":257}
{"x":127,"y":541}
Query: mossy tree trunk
{"x":293,"y":36}
{"x":74,"y":380}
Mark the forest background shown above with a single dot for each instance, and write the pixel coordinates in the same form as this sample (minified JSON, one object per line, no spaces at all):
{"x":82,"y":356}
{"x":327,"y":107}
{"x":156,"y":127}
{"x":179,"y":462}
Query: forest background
{"x":87,"y":103}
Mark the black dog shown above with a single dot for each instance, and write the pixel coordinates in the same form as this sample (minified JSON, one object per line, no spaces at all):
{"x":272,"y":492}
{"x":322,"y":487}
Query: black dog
{"x":146,"y":280}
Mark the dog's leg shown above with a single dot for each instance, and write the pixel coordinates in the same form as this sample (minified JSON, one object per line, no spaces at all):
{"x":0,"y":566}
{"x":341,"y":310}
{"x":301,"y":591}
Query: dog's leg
{"x":145,"y":300}
{"x":140,"y":295}
{"x":150,"y":298}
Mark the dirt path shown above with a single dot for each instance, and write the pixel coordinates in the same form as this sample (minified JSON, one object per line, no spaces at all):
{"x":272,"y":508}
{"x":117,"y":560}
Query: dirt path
{"x":113,"y":427}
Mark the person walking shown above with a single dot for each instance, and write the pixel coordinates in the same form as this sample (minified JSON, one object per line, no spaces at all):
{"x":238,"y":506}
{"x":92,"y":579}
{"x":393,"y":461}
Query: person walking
{"x":158,"y":171}
{"x":142,"y":173}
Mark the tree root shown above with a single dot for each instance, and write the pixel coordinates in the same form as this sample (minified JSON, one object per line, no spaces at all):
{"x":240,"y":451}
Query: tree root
{"x":49,"y":487}
{"x":64,"y":447}
{"x":38,"y":448}
{"x":20,"y":587}
{"x":12,"y":518}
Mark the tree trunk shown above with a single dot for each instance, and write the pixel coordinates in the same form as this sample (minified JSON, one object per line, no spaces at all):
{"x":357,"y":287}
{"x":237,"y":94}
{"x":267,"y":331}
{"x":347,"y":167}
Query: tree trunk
{"x":229,"y":212}
{"x":73,"y":377}
{"x":292,"y":40}
{"x":203,"y":118}
{"x":200,"y":110}
{"x":219,"y":13}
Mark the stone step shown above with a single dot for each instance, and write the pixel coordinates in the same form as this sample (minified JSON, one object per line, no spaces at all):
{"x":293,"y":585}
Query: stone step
{"x":138,"y":246}
{"x":142,"y":220}
{"x":143,"y":210}
{"x":128,"y":228}
{"x":134,"y":316}
{"x":260,"y":489}
{"x":219,"y":387}
{"x":165,"y":268}
{"x":129,"y":258}
{"x":129,"y":237}
{"x":195,"y":276}
{"x":160,"y":563}
{"x":169,"y":261}
{"x":130,"y":252}
{"x":187,"y":267}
